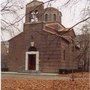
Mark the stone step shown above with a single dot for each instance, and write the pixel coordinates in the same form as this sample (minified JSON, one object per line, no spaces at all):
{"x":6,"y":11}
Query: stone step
{"x":29,"y":71}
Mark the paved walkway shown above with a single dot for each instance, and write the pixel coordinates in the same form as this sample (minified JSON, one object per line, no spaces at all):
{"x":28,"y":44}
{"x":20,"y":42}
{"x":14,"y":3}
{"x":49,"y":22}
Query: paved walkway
{"x":34,"y":75}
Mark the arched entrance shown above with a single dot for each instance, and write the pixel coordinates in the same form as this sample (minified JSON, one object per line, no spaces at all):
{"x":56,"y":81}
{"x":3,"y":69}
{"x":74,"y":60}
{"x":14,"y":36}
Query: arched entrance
{"x":32,"y":59}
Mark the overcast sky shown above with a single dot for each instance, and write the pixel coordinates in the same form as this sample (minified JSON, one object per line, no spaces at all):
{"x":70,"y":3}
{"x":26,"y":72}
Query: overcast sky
{"x":70,"y":15}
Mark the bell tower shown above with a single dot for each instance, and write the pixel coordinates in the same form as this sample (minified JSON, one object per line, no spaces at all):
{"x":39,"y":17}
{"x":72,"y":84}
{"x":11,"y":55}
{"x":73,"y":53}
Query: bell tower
{"x":34,"y":11}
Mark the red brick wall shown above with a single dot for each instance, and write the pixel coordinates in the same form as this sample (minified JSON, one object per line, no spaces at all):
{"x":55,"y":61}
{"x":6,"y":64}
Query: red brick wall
{"x":50,"y":48}
{"x":16,"y":58}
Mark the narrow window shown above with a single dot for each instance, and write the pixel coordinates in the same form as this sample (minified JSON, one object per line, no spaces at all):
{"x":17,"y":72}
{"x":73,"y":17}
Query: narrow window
{"x":64,"y":54}
{"x":30,"y":16}
{"x":54,"y":17}
{"x":46,"y":17}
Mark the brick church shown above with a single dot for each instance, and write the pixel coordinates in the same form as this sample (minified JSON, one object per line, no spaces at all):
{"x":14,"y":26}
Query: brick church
{"x":45,"y":45}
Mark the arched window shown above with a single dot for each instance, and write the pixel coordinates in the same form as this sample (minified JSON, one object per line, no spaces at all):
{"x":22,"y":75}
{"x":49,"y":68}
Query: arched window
{"x":54,"y":17}
{"x":33,"y":16}
{"x":46,"y":17}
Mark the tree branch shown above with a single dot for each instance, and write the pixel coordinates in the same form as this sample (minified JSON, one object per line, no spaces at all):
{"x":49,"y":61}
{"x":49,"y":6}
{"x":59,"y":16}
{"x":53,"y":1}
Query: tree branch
{"x":80,"y":22}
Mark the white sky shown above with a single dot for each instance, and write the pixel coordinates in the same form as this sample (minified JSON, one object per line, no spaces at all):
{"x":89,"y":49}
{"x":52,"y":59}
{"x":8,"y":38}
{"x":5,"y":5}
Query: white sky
{"x":70,"y":15}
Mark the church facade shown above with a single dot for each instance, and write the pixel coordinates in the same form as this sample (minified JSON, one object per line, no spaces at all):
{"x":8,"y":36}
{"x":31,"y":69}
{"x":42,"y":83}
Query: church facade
{"x":45,"y":45}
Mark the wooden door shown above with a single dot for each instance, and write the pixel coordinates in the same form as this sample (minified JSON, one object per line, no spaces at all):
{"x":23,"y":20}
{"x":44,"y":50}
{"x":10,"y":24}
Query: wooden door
{"x":32,"y":61}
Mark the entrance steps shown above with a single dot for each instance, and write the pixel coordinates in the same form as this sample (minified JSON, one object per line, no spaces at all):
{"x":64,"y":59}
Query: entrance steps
{"x":30,"y":72}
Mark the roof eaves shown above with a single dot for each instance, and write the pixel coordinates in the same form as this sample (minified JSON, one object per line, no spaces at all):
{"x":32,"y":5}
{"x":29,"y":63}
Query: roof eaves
{"x":15,"y":36}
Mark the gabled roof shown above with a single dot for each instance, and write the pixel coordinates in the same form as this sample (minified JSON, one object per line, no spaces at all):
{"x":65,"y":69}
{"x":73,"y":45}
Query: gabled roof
{"x":58,"y":29}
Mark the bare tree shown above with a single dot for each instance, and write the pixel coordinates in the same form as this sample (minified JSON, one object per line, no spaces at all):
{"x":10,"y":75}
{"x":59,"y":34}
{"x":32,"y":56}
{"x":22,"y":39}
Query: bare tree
{"x":83,"y":56}
{"x":84,"y":41}
{"x":10,"y":13}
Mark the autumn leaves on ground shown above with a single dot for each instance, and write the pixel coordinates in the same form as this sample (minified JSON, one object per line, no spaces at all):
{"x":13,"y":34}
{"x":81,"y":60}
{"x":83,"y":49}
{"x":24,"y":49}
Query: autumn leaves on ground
{"x":60,"y":82}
